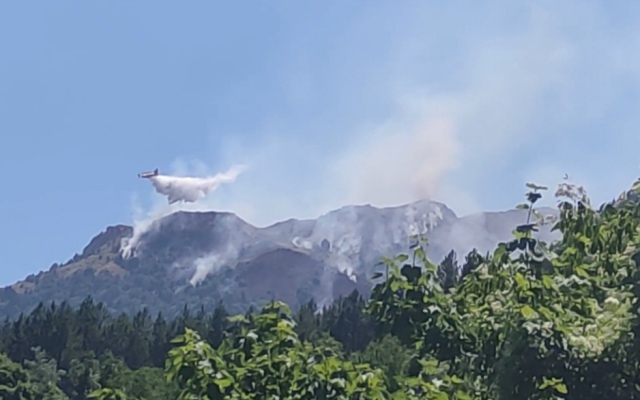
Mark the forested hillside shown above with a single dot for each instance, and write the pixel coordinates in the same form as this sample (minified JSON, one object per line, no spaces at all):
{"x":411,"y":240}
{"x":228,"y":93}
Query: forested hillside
{"x":530,"y":320}
{"x":202,"y":258}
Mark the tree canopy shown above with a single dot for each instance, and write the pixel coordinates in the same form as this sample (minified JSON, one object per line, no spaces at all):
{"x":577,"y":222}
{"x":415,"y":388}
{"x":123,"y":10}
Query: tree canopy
{"x":530,"y":320}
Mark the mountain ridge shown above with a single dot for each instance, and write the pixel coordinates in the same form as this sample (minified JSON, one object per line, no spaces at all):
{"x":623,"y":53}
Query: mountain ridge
{"x":207,"y":257}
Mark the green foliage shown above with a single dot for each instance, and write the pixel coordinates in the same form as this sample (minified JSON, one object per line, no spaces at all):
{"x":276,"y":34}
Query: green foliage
{"x":92,"y":350}
{"x":448,"y":271}
{"x":529,"y":320}
{"x":266,"y":360}
{"x":45,"y":375}
{"x":14,"y":381}
{"x":108,"y":394}
{"x":389,"y":355}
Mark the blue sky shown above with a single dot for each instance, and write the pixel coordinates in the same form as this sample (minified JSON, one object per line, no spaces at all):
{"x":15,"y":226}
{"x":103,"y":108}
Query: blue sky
{"x":329,"y":103}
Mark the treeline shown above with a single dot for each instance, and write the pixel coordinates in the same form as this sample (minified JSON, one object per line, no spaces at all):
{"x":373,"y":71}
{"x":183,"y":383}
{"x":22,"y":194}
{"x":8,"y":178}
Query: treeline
{"x":528,"y":321}
{"x":83,"y":347}
{"x":141,"y":340}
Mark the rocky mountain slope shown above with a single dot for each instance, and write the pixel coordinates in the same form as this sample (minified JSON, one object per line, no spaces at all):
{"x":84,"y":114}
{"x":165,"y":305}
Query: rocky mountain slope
{"x":202,"y":258}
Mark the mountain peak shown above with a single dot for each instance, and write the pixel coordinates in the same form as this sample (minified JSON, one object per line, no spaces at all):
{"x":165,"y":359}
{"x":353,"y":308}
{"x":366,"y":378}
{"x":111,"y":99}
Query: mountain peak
{"x":207,"y":257}
{"x":113,"y":234}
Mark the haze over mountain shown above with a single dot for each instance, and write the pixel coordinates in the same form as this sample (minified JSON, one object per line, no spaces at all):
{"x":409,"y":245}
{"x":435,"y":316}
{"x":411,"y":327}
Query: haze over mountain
{"x":329,"y":105}
{"x":202,"y":258}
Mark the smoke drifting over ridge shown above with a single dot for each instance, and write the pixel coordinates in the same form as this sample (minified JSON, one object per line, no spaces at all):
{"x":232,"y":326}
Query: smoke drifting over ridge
{"x":213,"y":262}
{"x":453,"y":122}
{"x":430,"y":119}
{"x":405,"y":160}
{"x":179,"y":190}
{"x":190,"y":189}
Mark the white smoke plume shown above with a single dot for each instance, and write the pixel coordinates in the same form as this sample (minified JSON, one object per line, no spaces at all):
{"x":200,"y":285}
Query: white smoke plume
{"x":191,"y":189}
{"x":463,"y":124}
{"x":402,"y":161}
{"x":213,"y":263}
{"x":179,"y":191}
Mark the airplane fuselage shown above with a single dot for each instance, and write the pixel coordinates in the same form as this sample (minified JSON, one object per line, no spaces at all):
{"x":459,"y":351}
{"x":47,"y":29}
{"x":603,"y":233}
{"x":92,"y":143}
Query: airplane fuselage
{"x":148,"y":174}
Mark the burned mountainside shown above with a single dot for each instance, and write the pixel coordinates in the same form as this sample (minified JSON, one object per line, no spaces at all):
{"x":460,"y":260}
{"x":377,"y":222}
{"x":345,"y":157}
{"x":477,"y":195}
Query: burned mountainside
{"x":204,"y":258}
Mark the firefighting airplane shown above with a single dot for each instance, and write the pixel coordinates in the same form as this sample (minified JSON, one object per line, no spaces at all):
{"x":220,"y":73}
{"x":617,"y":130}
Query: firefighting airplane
{"x":178,"y":189}
{"x":188,"y":189}
{"x":148,"y":174}
{"x":171,"y":198}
